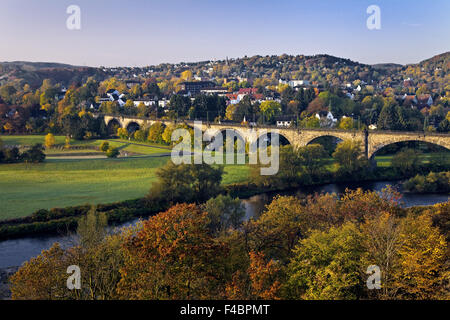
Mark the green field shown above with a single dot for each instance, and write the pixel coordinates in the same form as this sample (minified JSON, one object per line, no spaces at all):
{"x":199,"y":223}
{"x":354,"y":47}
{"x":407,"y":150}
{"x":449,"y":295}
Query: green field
{"x":29,"y":140}
{"x":133,"y":147}
{"x":25,"y":188}
{"x":385,"y":160}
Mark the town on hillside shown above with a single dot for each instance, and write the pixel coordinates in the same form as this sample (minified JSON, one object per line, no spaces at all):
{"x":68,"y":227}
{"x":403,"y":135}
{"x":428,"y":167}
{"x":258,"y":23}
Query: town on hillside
{"x":303,"y":91}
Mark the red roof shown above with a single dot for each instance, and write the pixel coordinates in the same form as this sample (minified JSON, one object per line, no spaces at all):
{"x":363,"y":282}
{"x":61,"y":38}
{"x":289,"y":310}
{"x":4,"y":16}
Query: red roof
{"x":248,"y":91}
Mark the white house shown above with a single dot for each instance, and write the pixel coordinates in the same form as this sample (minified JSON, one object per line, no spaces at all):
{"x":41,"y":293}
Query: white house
{"x":297,"y":83}
{"x":114,"y":95}
{"x":284,"y":122}
{"x":328,"y":121}
{"x":146,"y":102}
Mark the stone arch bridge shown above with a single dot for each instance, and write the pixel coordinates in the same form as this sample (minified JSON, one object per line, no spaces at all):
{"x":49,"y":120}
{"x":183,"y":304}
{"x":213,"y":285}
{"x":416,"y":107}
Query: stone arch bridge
{"x":372,"y":141}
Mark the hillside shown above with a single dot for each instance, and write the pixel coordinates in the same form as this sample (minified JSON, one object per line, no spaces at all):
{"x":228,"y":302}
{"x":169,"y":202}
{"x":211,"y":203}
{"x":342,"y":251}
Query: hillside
{"x":34,"y":73}
{"x":319,"y":69}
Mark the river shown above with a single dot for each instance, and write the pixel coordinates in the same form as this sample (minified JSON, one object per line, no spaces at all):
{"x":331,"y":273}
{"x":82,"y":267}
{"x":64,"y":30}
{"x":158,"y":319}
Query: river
{"x":15,"y":252}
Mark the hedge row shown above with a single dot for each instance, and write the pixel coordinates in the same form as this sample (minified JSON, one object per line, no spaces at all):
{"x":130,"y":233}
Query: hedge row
{"x":60,"y":220}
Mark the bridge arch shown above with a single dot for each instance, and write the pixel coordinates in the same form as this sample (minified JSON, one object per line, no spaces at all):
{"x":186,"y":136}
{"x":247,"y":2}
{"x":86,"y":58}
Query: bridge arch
{"x":329,"y":142}
{"x":267,"y":136}
{"x":112,"y":126}
{"x":225,"y":132}
{"x":133,"y":126}
{"x":380,"y":146}
{"x":311,"y":136}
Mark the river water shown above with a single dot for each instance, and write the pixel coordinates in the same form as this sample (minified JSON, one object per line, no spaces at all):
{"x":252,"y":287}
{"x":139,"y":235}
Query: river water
{"x":15,"y":252}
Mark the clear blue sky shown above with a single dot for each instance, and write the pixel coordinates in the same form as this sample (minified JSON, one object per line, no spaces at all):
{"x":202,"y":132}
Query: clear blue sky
{"x":147,"y":32}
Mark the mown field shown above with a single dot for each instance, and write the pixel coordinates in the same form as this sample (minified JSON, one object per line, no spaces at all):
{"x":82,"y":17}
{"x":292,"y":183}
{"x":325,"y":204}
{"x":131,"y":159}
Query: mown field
{"x":132,"y":147}
{"x":25,"y":188}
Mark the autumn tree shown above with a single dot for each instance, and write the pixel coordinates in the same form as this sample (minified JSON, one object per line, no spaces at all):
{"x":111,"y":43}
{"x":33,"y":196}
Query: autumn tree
{"x":278,"y":229}
{"x":422,"y":257}
{"x":174,"y":256}
{"x":350,"y":158}
{"x":49,"y":140}
{"x":98,"y":255}
{"x":155,"y":133}
{"x":346,"y":123}
{"x":326,"y":265}
{"x":270,"y":109}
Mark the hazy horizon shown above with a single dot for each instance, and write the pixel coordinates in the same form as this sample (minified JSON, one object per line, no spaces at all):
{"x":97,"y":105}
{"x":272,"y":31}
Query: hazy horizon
{"x":144,"y":33}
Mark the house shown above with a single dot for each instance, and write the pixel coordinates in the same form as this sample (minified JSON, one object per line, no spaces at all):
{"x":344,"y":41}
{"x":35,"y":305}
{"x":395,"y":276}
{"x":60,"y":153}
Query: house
{"x":220,"y":91}
{"x":245,"y":91}
{"x":61,"y":94}
{"x":298,"y":83}
{"x":408,"y":83}
{"x":146,"y":101}
{"x":350,"y":95}
{"x":326,"y":119}
{"x":194,"y":87}
{"x":424,"y":100}
{"x":94,"y":106}
{"x":114,"y":95}
{"x":284,"y":121}
{"x":409,"y":100}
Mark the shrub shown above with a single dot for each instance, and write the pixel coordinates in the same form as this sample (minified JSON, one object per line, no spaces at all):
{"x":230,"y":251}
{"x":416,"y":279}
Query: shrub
{"x":112,"y":153}
{"x":104,"y":146}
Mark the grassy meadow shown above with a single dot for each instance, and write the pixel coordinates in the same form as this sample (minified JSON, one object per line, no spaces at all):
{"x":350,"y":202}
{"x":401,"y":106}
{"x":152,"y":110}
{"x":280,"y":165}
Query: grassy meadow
{"x":25,"y":188}
{"x":59,"y":182}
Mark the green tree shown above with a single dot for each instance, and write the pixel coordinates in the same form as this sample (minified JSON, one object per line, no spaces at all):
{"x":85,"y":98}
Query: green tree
{"x":112,"y":152}
{"x":155,"y":133}
{"x":186,"y":183}
{"x":310,"y":122}
{"x":140,"y":135}
{"x":270,"y":109}
{"x":406,"y":161}
{"x":346,"y":123}
{"x":327,"y":265}
{"x":224,"y":213}
{"x":34,"y":155}
{"x":350,"y":157}
{"x":312,"y":158}
{"x":104,"y":146}
{"x":91,"y":228}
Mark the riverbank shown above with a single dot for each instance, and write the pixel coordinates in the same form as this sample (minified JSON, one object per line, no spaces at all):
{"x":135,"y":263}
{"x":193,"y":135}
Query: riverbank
{"x":5,"y":293}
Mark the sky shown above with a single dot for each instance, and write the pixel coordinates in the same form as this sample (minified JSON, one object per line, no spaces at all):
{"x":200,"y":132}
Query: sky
{"x":149,"y":32}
